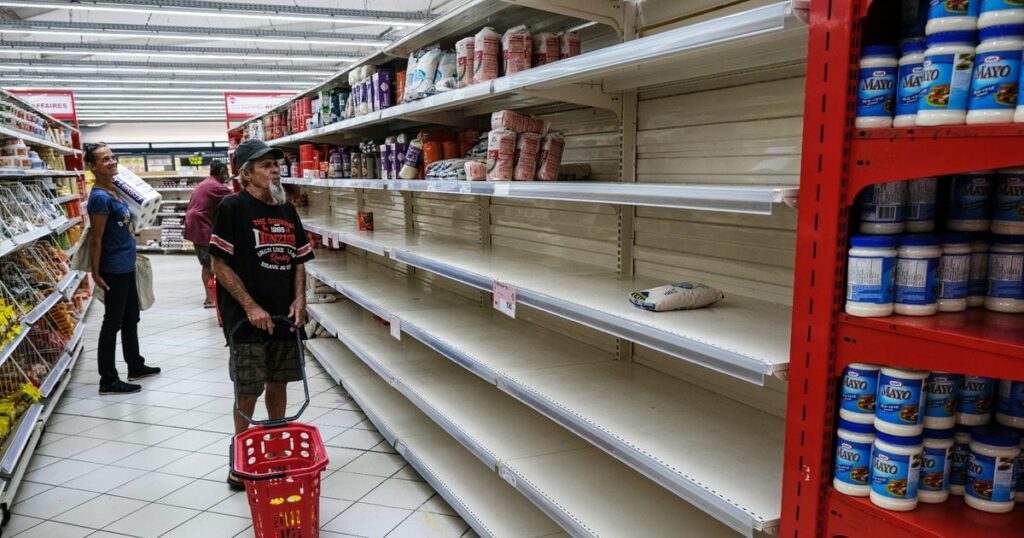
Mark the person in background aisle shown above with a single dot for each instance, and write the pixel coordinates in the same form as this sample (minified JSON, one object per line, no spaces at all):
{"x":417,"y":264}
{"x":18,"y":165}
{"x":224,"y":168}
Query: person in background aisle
{"x":199,"y":219}
{"x":259,"y":247}
{"x":113,"y":270}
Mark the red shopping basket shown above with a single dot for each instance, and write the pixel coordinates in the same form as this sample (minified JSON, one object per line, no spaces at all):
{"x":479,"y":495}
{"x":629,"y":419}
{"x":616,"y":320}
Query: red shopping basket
{"x":280,"y":463}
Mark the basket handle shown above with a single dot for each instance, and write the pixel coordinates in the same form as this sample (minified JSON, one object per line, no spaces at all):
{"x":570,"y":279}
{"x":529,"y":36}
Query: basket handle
{"x":249,"y":476}
{"x":272,"y":423}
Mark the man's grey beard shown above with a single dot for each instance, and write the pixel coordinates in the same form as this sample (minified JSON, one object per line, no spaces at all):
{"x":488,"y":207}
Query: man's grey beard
{"x":277,"y":193}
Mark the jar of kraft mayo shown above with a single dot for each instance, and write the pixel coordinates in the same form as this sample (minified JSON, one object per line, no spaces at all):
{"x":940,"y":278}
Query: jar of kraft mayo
{"x":948,"y":66}
{"x":853,"y":458}
{"x":920,"y":211}
{"x":947,"y":16}
{"x":869,"y":284}
{"x":898,"y":407}
{"x":1006,"y":274}
{"x":970,"y":201}
{"x":996,"y":77}
{"x":977,"y":287}
{"x":916,"y":272}
{"x":960,"y":456}
{"x":954,"y":273}
{"x":991,"y":472}
{"x":876,"y":91}
{"x":933,"y":484}
{"x":940,"y":395}
{"x":974,"y":404}
{"x":895,"y":471}
{"x":881,"y":208}
{"x":1008,"y":202}
{"x":908,"y":83}
{"x":857,"y":393}
{"x":1010,"y":404}
{"x":1000,"y":12}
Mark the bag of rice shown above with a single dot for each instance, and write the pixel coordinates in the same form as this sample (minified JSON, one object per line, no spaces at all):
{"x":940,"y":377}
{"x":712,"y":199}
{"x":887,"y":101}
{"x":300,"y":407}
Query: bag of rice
{"x":426,"y":70}
{"x":486,"y":49}
{"x":464,"y":61}
{"x":410,"y":73}
{"x":447,"y":170}
{"x":516,"y":50}
{"x":679,"y":296}
{"x":550,"y":160}
{"x":447,"y":77}
{"x":501,"y":150}
{"x":527,"y":150}
{"x":476,"y":171}
{"x":570,"y":45}
{"x":545,"y":48}
{"x":507,"y":119}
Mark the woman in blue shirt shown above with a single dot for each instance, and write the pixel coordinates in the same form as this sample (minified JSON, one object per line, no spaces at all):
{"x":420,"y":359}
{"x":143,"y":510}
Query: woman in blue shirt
{"x":113,"y":270}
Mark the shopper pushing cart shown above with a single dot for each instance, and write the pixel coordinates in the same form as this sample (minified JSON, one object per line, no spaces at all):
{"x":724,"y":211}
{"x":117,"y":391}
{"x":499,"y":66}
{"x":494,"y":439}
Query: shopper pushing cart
{"x":258,"y":246}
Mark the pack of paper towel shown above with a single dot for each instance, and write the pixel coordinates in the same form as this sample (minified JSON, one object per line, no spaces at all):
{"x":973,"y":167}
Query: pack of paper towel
{"x":142,"y":199}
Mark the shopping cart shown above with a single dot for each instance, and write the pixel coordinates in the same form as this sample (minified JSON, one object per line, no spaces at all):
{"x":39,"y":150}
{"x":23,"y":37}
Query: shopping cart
{"x":280,"y":463}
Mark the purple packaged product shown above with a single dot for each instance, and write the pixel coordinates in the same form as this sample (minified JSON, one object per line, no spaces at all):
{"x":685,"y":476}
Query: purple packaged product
{"x":385,"y":162}
{"x":413,"y":156}
{"x":383,"y":83}
{"x":399,"y":157}
{"x":346,"y":163}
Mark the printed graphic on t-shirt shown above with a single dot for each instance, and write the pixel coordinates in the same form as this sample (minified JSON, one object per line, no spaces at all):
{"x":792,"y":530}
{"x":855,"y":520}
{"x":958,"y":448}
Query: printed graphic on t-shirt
{"x":274,"y":240}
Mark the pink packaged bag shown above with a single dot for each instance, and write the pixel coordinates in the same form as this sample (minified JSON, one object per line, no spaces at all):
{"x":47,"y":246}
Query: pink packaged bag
{"x":546,"y":48}
{"x":464,"y":58}
{"x":501,"y":150}
{"x":516,"y":50}
{"x":486,"y":50}
{"x":527,"y":151}
{"x":550,"y":160}
{"x":570,"y":45}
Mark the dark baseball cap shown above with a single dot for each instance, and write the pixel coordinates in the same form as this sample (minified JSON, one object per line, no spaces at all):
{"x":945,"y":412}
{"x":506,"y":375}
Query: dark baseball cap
{"x":251,"y":150}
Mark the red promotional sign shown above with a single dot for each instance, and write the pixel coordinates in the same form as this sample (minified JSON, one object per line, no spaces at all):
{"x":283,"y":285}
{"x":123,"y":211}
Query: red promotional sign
{"x":58,"y":103}
{"x":242,"y":106}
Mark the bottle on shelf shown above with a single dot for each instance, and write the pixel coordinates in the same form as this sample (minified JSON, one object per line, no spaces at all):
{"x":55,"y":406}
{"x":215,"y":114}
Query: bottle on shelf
{"x":853,"y":458}
{"x":895,"y":471}
{"x":920,"y":212}
{"x":916,"y":272}
{"x":954,"y":273}
{"x":991,"y":473}
{"x":1000,"y":12}
{"x":944,"y":16}
{"x":994,"y":86}
{"x":1006,"y":274}
{"x":1008,"y":202}
{"x":870,"y":267}
{"x":876,"y":92}
{"x":899,"y":409}
{"x":970,"y":201}
{"x":948,"y":66}
{"x":933,"y":484}
{"x":909,"y":79}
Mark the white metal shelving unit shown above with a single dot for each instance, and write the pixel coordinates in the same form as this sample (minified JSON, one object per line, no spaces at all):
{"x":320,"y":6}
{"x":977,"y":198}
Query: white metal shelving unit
{"x":33,"y":173}
{"x":35,"y":141}
{"x":689,"y":116}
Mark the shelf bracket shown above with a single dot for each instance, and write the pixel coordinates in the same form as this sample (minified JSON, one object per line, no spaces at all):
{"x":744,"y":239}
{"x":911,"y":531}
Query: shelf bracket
{"x":586,"y":94}
{"x":604,"y":12}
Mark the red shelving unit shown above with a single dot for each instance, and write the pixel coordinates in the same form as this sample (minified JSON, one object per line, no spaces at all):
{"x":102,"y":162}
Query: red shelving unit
{"x":838,"y":161}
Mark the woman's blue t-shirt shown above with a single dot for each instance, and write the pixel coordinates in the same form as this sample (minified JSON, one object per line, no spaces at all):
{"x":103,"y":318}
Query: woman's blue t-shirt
{"x":118,"y":246}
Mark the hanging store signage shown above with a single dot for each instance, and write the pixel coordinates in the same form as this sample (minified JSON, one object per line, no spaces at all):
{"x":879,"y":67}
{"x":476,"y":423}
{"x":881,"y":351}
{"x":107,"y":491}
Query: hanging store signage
{"x":242,"y":106}
{"x":195,"y":160}
{"x":58,"y":103}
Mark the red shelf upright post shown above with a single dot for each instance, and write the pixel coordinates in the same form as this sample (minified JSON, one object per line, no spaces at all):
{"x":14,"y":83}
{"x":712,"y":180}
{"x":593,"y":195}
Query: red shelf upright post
{"x":833,"y":49}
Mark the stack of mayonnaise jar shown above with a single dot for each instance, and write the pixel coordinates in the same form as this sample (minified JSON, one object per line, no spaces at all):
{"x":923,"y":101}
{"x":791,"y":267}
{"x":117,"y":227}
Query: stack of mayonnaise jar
{"x":967,"y":69}
{"x":907,"y":436}
{"x":899,"y":266}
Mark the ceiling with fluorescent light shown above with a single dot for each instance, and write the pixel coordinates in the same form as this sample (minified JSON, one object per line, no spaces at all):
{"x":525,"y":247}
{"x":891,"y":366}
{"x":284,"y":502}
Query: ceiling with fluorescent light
{"x":163,"y":59}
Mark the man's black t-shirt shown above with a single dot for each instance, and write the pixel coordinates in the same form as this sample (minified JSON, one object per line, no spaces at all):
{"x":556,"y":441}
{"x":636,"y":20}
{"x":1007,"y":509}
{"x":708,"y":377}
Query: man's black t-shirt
{"x":262,"y":243}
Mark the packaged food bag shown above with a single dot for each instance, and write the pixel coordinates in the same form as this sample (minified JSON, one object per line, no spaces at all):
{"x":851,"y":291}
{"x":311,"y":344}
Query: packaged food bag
{"x":527,"y":151}
{"x":411,"y":164}
{"x":464,"y":58}
{"x":485,"y":54}
{"x":399,"y":86}
{"x":410,"y":74}
{"x":679,"y":296}
{"x":516,"y":50}
{"x":546,"y":48}
{"x":569,"y":45}
{"x":550,"y":160}
{"x":476,"y":171}
{"x":426,"y":69}
{"x":447,"y":170}
{"x":501,"y":150}
{"x":507,"y":119}
{"x":447,"y":78}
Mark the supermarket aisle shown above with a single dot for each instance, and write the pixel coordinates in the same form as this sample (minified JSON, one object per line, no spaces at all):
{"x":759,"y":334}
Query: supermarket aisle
{"x":153,"y":464}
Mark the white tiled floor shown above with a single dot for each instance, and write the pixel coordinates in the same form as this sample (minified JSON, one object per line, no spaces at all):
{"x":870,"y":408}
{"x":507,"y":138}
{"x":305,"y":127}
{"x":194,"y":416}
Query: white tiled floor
{"x":154,"y":463}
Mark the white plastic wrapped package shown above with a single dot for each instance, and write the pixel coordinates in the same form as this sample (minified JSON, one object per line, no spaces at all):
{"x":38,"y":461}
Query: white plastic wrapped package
{"x":447,"y":76}
{"x":516,"y":50}
{"x":486,"y":50}
{"x":413,"y":157}
{"x":546,"y":48}
{"x":501,"y":151}
{"x":447,"y":170}
{"x":464,"y":61}
{"x":423,"y":79}
{"x":410,"y":73}
{"x":367,"y":71}
{"x":679,"y":296}
{"x":476,"y":171}
{"x":569,"y":45}
{"x":142,"y":199}
{"x":550,"y":160}
{"x":527,"y":151}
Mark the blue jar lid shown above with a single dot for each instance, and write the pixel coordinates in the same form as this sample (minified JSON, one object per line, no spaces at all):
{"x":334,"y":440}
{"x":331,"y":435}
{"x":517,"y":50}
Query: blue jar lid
{"x":1003,"y":30}
{"x":1008,"y":239}
{"x":955,"y":238}
{"x":962,"y":36}
{"x":873,"y":241}
{"x":996,"y":436}
{"x":910,"y":46}
{"x":919,"y":240}
{"x":856,"y":427}
{"x":898,"y":440}
{"x":938,"y":434}
{"x":880,"y":50}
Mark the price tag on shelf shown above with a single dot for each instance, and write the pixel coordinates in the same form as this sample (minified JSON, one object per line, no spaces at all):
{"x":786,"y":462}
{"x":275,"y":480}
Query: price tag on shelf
{"x":507,"y":475}
{"x":396,"y":328}
{"x":505,"y":299}
{"x":432,"y":186}
{"x":502,"y":188}
{"x":465,"y":188}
